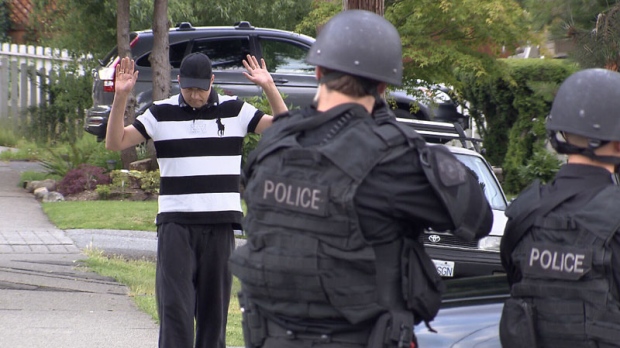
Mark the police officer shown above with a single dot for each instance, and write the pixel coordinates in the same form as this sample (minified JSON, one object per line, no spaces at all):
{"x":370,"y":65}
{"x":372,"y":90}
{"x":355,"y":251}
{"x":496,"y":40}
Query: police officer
{"x":336,"y":200}
{"x":561,"y":249}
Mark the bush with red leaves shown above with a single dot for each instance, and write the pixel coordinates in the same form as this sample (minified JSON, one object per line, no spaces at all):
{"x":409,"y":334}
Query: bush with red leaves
{"x":84,"y":177}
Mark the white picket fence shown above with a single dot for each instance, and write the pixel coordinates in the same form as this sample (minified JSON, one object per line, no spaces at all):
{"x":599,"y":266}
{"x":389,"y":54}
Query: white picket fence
{"x":24,"y":70}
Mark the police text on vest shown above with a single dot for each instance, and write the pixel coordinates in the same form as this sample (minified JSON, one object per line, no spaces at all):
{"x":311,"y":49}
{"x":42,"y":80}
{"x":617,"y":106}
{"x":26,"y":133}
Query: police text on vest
{"x":295,"y":195}
{"x":555,"y":261}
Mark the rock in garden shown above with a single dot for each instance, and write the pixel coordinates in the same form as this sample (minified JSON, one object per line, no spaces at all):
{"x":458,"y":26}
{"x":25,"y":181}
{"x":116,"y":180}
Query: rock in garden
{"x":53,"y":197}
{"x":49,"y":184}
{"x":41,"y":192}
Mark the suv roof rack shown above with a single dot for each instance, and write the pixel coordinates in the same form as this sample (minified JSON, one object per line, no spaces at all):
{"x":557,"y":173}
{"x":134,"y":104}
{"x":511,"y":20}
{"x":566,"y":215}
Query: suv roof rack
{"x":243,"y":25}
{"x":184,"y":26}
{"x":442,"y":132}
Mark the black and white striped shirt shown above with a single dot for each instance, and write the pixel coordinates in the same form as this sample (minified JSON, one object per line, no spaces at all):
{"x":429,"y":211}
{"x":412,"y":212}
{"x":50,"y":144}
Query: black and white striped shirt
{"x":199,"y":155}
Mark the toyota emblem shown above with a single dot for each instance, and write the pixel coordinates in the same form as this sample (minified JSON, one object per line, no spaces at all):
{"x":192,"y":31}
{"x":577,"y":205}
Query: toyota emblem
{"x":434,"y":238}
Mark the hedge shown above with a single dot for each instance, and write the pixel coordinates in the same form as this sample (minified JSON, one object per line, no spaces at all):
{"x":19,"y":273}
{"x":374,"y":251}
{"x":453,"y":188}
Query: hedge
{"x":5,"y":23}
{"x":511,"y":112}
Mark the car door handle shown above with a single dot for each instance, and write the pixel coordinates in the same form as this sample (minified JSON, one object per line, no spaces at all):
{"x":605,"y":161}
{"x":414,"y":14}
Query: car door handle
{"x":280,"y":80}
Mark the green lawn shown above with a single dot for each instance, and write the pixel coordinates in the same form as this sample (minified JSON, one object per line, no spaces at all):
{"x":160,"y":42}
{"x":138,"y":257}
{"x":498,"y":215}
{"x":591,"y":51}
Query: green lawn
{"x":107,"y":215}
{"x":138,"y":275}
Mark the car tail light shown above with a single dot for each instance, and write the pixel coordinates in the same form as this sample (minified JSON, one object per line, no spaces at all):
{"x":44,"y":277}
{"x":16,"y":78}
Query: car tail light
{"x":107,"y":75}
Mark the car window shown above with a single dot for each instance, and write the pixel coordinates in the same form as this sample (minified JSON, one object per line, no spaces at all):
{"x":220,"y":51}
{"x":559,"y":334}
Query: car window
{"x":225,"y":53}
{"x":176,"y":53}
{"x":492,"y":191}
{"x":285,"y":57}
{"x":112,"y":56}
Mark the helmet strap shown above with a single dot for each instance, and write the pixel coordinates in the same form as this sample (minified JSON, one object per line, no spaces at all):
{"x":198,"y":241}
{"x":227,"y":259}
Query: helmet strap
{"x":564,"y":147}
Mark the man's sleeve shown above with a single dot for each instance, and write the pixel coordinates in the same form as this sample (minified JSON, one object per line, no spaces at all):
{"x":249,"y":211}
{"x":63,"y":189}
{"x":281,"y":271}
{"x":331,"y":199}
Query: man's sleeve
{"x":250,"y":116}
{"x":146,"y":123}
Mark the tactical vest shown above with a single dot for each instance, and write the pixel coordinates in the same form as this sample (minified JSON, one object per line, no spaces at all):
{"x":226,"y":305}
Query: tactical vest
{"x":305,"y":255}
{"x":567,"y":294}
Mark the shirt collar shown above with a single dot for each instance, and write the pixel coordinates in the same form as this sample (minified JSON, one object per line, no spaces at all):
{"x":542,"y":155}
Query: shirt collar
{"x":213,"y":100}
{"x":585,"y":172}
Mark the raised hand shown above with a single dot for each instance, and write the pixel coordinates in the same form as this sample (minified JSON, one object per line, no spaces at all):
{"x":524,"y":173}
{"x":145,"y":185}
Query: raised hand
{"x":257,"y":73}
{"x":126,"y":76}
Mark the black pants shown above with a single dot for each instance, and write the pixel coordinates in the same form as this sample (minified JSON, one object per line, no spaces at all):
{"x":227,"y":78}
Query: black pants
{"x":193,"y":282}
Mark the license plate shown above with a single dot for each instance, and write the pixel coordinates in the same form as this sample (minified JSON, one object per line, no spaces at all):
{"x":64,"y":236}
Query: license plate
{"x":444,"y":268}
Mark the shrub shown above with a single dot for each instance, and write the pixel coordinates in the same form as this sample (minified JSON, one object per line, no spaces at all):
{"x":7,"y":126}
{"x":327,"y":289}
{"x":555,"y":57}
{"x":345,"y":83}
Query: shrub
{"x":7,"y":135}
{"x":29,"y":176}
{"x":103,"y":191}
{"x":86,"y":150}
{"x":25,"y":151}
{"x":84,"y":177}
{"x":5,"y":21}
{"x":510,"y":114}
{"x":68,"y":92}
{"x":251,"y":140}
{"x":149,"y":181}
{"x":542,"y":165}
{"x":133,"y":179}
{"x":59,"y":162}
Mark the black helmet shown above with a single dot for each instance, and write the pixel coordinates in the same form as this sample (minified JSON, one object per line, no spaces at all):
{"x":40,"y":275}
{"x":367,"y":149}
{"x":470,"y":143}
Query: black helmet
{"x":587,"y":104}
{"x":359,"y":43}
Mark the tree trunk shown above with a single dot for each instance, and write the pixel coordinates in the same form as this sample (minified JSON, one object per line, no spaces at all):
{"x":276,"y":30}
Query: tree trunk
{"x":160,"y":62}
{"x":124,"y":50}
{"x":376,"y":6}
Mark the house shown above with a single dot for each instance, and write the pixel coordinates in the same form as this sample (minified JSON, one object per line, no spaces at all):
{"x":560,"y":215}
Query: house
{"x":19,"y":13}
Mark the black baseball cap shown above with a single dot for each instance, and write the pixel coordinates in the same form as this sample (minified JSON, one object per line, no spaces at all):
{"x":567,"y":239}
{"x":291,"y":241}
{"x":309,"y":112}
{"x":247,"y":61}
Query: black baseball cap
{"x":196,"y":71}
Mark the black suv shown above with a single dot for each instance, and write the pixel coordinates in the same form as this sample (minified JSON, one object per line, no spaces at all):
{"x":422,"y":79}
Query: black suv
{"x":227,"y":47}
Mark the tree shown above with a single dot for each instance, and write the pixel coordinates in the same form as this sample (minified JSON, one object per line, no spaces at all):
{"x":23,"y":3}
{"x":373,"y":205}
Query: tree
{"x":376,"y":6}
{"x":89,"y":26}
{"x":124,"y":50}
{"x":592,"y":26}
{"x":160,"y":61}
{"x":322,"y":10}
{"x":81,"y":26}
{"x":4,"y":21}
{"x":159,"y":57}
{"x":441,"y":36}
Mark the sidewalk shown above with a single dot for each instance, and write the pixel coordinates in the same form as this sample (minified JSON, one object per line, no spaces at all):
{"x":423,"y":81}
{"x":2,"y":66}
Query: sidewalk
{"x":45,"y":300}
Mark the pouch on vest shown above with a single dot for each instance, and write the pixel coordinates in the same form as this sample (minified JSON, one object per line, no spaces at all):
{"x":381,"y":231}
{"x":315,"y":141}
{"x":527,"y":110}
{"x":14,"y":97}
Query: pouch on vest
{"x":460,"y":192}
{"x":516,"y":327}
{"x":393,"y":330}
{"x":252,"y":322}
{"x":604,"y":328}
{"x":422,"y":285}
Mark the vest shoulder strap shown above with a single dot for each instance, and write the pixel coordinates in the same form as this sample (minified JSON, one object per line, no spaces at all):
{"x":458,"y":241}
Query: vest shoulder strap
{"x":602,"y":215}
{"x":294,"y":122}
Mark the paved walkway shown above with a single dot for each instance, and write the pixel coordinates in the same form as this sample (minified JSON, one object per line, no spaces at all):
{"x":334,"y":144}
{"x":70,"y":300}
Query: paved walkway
{"x":46,"y":299}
